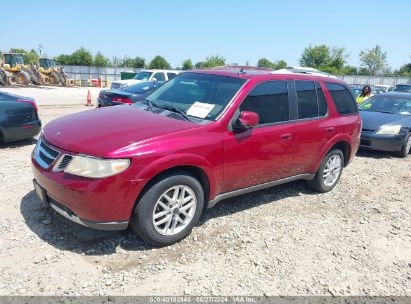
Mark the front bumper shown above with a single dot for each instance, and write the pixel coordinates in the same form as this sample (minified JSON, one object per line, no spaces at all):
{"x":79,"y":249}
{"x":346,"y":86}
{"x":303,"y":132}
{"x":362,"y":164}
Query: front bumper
{"x":105,"y":203}
{"x":389,"y":143}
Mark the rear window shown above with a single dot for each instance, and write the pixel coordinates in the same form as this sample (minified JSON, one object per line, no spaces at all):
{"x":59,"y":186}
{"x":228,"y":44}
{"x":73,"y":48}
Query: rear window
{"x":342,"y":98}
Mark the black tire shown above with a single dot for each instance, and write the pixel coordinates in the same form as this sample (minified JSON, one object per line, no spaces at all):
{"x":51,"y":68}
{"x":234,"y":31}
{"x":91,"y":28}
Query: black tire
{"x":23,"y":77}
{"x":317,"y":183}
{"x":142,"y":218}
{"x":54,"y":78}
{"x":406,"y":147}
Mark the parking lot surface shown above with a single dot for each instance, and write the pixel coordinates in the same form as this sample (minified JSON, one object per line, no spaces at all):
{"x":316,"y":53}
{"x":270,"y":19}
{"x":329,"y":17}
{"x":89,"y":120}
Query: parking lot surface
{"x":286,"y":240}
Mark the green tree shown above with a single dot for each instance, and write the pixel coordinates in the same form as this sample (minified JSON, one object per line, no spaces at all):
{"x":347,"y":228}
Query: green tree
{"x":81,"y":57}
{"x":405,"y":70}
{"x":187,"y":64}
{"x":214,"y":61}
{"x":100,"y":60}
{"x":374,"y":60}
{"x":264,"y":63}
{"x":281,"y":64}
{"x":315,"y":56}
{"x":19,"y":51}
{"x":199,"y":65}
{"x":338,"y":57}
{"x":63,"y":59}
{"x":136,"y":62}
{"x":31,"y":57}
{"x":159,"y":63}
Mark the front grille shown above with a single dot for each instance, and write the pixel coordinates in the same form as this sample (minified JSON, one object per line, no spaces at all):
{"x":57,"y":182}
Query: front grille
{"x":45,"y":155}
{"x":65,"y":160}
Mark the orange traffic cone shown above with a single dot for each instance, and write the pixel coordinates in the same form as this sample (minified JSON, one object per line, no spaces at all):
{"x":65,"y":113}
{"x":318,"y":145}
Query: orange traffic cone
{"x":89,"y":98}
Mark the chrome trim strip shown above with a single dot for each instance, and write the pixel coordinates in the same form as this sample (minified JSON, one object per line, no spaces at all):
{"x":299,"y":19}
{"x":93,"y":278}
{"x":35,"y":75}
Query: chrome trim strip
{"x":234,"y":193}
{"x":39,"y":149}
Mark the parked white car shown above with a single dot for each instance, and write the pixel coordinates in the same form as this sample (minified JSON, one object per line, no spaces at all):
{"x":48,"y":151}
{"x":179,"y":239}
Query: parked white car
{"x":146,"y":75}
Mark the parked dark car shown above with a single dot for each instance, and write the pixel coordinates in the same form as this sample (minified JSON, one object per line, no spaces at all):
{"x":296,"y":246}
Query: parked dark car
{"x":387,"y":123}
{"x":18,"y":118}
{"x":134,"y":93}
{"x":402,"y":88}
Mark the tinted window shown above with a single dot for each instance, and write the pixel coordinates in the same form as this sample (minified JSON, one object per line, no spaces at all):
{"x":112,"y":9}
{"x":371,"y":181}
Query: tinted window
{"x":171,"y":75}
{"x":270,"y":101}
{"x":306,"y":99}
{"x":343,"y":100}
{"x":143,"y":75}
{"x":322,"y":103}
{"x":159,"y":76}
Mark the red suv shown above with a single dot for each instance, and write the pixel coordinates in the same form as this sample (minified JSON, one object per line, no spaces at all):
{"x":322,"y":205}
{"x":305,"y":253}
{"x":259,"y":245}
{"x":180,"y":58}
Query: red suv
{"x":202,"y":137}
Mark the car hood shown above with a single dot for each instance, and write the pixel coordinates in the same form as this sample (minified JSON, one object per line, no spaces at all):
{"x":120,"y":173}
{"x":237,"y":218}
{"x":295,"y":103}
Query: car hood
{"x":375,"y":120}
{"x":102,"y":132}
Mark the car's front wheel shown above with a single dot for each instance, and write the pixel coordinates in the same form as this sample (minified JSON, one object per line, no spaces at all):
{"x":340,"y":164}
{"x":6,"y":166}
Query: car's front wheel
{"x":406,"y":147}
{"x":329,"y":172}
{"x":169,"y":209}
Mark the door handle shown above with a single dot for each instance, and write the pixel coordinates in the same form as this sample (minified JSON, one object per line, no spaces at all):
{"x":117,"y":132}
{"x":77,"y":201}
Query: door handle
{"x":286,"y":136}
{"x":330,"y":129}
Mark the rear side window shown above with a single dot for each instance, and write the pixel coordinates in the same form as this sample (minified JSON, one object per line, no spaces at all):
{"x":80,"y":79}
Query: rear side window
{"x":171,"y":75}
{"x":322,"y":103}
{"x":306,"y":99}
{"x":310,"y":99}
{"x":343,"y":99}
{"x":270,"y":101}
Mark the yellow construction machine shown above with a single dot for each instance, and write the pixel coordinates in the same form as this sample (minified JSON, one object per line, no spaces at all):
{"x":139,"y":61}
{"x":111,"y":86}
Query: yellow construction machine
{"x":14,"y":71}
{"x":55,"y":75}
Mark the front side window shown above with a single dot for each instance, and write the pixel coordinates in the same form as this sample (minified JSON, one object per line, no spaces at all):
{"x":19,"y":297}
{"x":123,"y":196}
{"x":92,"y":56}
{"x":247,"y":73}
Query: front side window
{"x":270,"y":101}
{"x":198,"y":95}
{"x":143,"y":76}
{"x":159,"y":76}
{"x":342,"y":99}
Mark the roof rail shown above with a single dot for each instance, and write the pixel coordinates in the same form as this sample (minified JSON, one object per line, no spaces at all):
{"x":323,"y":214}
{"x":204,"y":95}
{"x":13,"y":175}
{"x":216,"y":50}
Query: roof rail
{"x":304,"y":71}
{"x":242,"y":67}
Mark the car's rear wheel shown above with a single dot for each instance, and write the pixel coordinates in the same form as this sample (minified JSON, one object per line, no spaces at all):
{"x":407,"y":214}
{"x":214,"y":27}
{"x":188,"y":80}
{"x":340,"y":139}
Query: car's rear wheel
{"x":329,"y":172}
{"x":169,"y":209}
{"x":406,"y":147}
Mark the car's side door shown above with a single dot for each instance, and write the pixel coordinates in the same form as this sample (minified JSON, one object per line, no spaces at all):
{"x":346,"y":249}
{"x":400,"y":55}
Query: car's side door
{"x":314,"y":124}
{"x":265,"y":152}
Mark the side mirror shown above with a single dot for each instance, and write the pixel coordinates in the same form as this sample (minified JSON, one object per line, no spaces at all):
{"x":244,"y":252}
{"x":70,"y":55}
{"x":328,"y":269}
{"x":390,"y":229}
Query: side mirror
{"x":245,"y":121}
{"x":154,"y":79}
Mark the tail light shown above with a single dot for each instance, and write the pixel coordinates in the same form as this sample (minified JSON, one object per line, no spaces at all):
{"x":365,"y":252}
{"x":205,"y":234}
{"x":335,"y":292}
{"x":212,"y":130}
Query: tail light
{"x":123,"y":100}
{"x":32,"y":102}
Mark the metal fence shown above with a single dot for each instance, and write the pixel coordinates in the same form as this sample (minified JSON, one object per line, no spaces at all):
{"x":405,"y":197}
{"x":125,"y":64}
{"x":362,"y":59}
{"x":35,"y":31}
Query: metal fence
{"x":83,"y":74}
{"x":375,"y":80}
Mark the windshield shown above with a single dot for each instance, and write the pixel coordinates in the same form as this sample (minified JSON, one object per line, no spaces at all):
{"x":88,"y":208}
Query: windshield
{"x":143,"y":75}
{"x":402,"y":88}
{"x":387,"y":104}
{"x":141,"y":88}
{"x":198,"y":95}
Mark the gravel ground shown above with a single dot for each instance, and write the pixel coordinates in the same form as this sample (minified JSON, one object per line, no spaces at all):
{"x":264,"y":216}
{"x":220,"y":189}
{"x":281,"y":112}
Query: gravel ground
{"x":287,"y":240}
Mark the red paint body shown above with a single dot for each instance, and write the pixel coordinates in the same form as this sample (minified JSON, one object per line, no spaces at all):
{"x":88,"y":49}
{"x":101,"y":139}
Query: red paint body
{"x":155,"y":143}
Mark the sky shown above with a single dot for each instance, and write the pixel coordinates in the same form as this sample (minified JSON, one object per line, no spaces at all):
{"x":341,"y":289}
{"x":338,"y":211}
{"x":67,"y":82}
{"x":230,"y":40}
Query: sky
{"x":240,"y":31}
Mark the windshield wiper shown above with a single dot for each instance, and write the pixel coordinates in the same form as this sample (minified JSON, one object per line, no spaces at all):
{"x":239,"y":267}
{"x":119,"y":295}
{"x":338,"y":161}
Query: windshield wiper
{"x":172,"y":109}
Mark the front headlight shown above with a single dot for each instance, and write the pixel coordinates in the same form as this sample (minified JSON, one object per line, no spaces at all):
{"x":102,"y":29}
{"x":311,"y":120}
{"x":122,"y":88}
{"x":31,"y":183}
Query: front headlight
{"x":390,"y":130}
{"x":96,"y":167}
